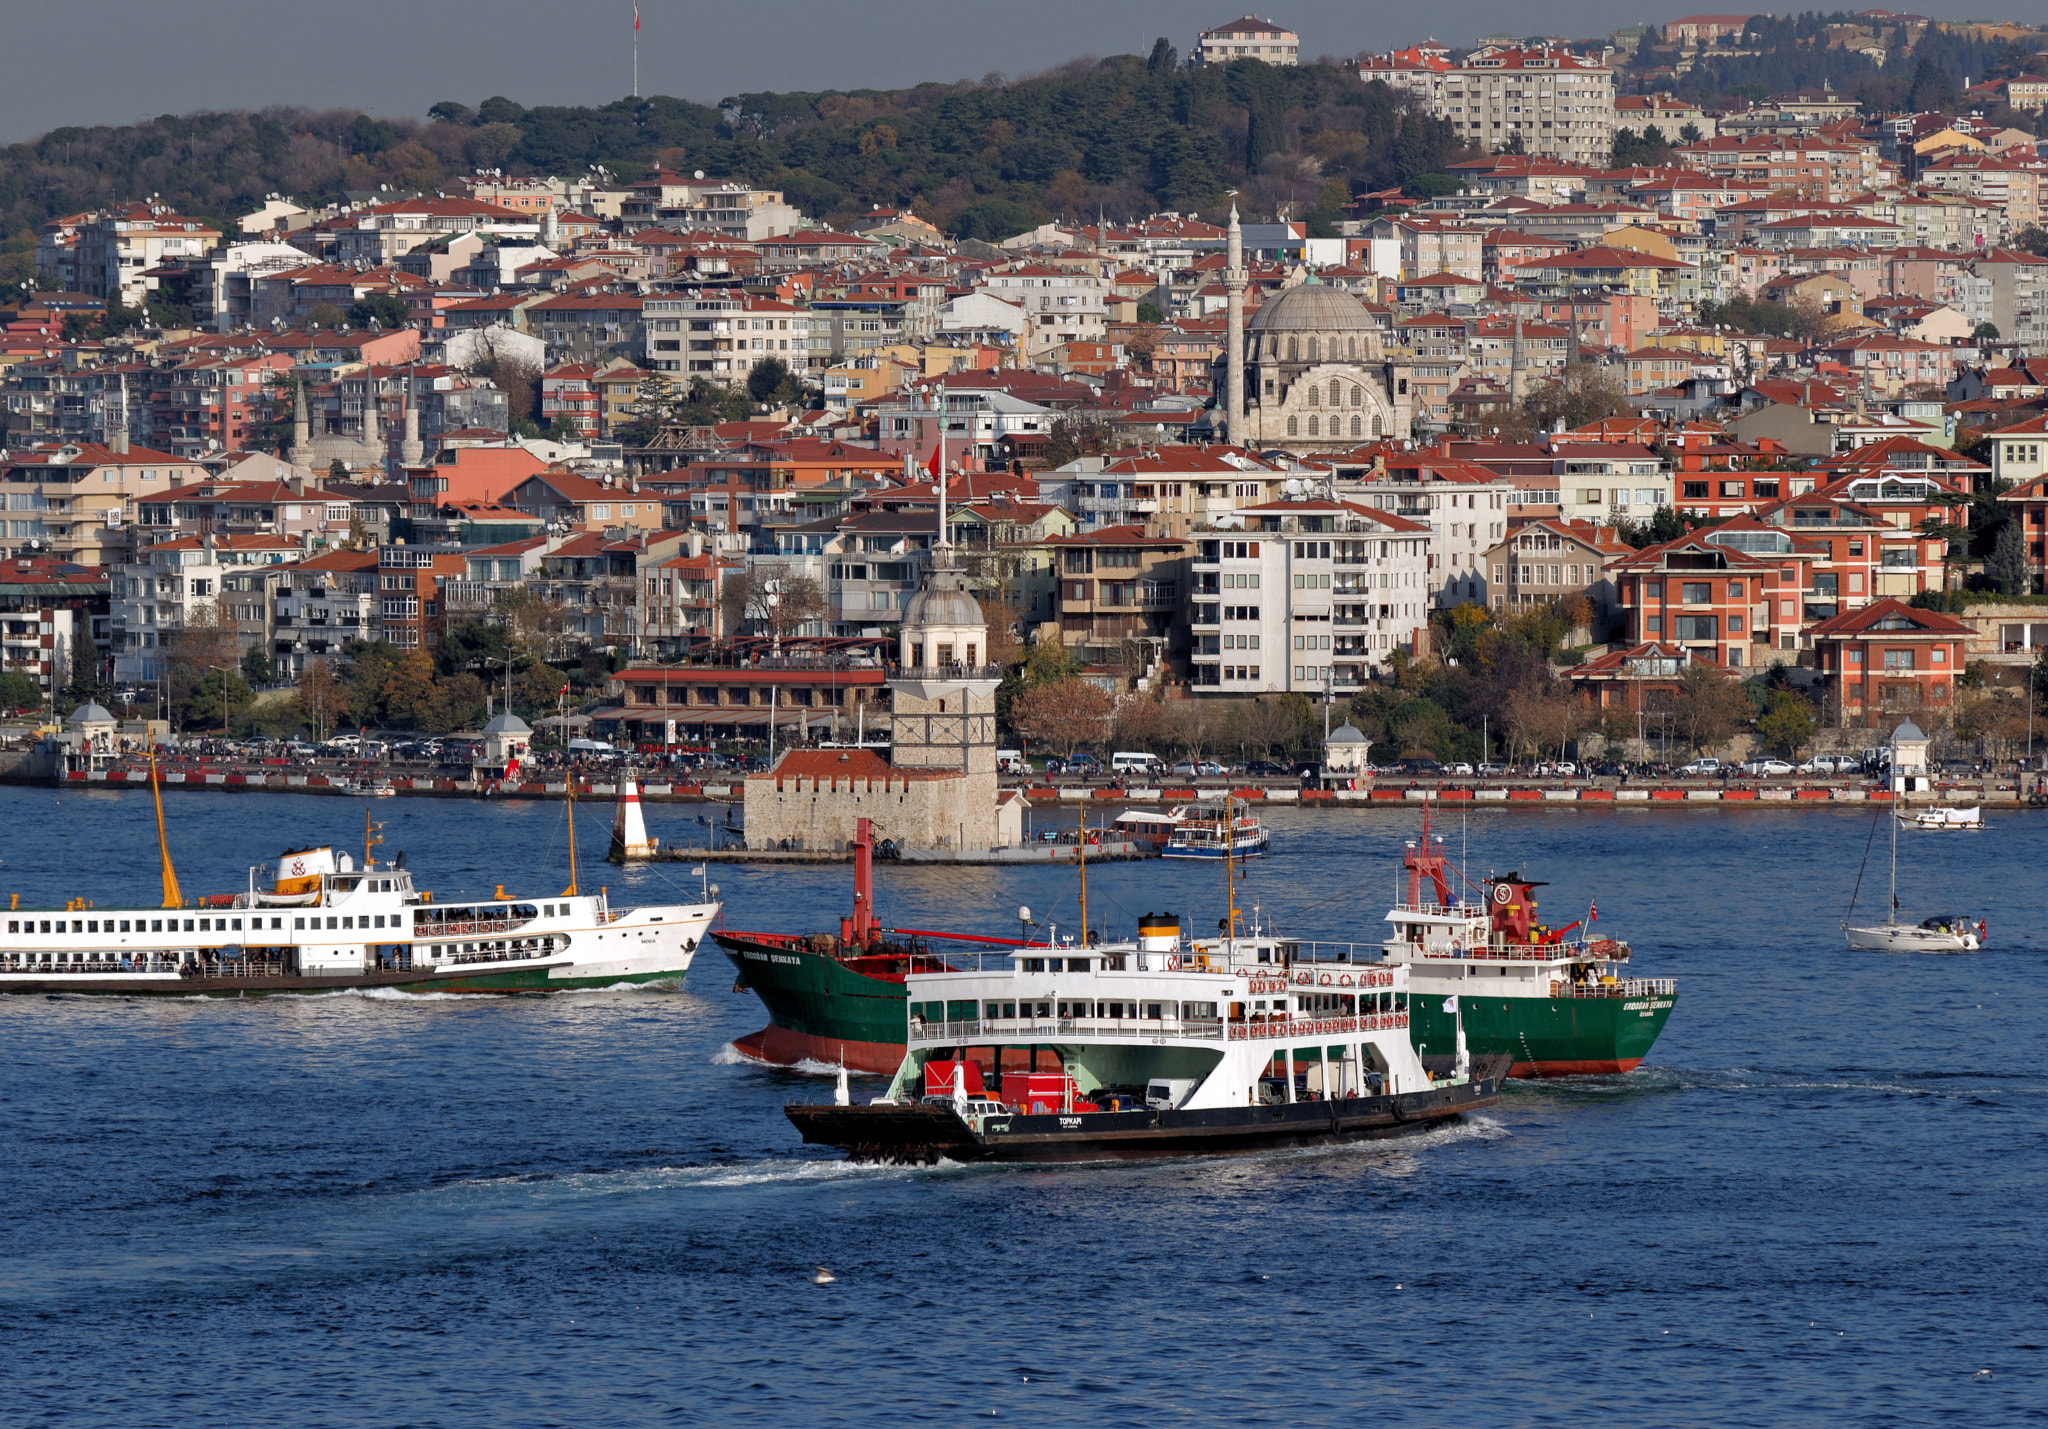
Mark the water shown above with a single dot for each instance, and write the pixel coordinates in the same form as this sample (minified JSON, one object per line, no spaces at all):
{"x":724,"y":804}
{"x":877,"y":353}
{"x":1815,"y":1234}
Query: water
{"x":1816,"y":1204}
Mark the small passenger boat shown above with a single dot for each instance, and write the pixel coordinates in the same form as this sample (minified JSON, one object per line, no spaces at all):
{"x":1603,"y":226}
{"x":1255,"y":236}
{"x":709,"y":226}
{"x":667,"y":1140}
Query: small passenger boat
{"x":1216,"y":831}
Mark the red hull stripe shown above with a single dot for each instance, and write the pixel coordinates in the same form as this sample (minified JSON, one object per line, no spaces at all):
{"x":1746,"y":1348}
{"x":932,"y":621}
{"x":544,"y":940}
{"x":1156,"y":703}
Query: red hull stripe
{"x":779,"y":1047}
{"x":1588,"y":1068}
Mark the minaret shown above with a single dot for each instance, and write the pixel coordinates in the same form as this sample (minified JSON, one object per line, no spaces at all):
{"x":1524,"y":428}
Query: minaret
{"x":302,"y":427}
{"x":411,"y":452}
{"x":1233,"y":329}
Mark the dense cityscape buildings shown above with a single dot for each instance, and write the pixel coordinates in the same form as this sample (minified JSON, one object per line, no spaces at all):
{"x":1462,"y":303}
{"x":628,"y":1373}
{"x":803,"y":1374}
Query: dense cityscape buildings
{"x":1643,"y":377}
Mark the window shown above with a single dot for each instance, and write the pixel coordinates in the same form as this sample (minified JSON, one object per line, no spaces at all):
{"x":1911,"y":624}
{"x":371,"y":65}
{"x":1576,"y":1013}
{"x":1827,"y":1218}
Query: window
{"x":1898,"y":659}
{"x":1695,"y":490}
{"x":1695,"y":627}
{"x":1696,"y":593}
{"x":1590,"y":496}
{"x":1731,"y":488}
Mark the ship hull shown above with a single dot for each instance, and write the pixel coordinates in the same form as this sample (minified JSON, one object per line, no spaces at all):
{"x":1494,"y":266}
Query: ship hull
{"x":1546,"y":1036}
{"x":930,"y":1132}
{"x":821,"y":1011}
{"x":512,"y":980}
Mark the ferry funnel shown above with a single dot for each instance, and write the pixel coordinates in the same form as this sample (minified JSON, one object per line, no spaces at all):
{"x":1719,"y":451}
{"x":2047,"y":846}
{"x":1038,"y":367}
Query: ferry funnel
{"x":1158,"y":933}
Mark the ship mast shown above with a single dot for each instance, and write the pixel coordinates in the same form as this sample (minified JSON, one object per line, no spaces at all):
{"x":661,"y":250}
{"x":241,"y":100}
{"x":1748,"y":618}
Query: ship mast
{"x":172,"y":897}
{"x":1230,"y":873}
{"x":1083,"y":850}
{"x":562,"y":726}
{"x":370,"y":840}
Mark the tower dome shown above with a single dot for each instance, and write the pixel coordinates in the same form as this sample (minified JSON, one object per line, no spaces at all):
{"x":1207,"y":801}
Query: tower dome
{"x":1312,"y":307}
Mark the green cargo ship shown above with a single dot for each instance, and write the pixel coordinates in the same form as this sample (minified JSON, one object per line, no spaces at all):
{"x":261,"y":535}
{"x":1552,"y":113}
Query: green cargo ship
{"x":1560,"y":1006}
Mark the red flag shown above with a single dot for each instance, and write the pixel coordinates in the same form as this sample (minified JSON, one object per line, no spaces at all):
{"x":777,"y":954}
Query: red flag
{"x":636,"y":16}
{"x":1592,"y":912}
{"x":563,"y":691}
{"x":935,"y":466}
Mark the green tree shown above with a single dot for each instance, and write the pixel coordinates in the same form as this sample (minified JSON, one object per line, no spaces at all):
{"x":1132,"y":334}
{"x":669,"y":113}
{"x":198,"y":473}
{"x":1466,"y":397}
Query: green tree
{"x":409,"y":689}
{"x":2007,"y":564}
{"x":382,"y":309}
{"x":1707,"y":707}
{"x":256,"y":666}
{"x":19,"y":692}
{"x":325,"y":315}
{"x":85,"y":682}
{"x":1985,"y":332}
{"x":1150,"y":313}
{"x":1788,"y":725}
{"x":222,"y":695}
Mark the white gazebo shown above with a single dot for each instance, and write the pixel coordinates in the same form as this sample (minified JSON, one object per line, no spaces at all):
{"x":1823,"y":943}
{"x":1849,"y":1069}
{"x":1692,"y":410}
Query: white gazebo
{"x":506,"y":738}
{"x":1345,"y":753}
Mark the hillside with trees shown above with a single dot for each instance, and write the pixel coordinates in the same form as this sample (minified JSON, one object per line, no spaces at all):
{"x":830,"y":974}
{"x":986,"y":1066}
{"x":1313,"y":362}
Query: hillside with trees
{"x":1125,"y":135}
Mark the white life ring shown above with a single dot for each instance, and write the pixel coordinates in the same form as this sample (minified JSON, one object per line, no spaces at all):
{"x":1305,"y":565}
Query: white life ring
{"x":1173,"y":962}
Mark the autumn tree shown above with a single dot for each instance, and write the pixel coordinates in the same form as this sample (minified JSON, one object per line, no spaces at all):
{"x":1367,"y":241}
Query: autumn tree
{"x":1066,"y":713}
{"x":774,"y":604}
{"x":1707,"y":707}
{"x":319,"y":697}
{"x":409,"y":689}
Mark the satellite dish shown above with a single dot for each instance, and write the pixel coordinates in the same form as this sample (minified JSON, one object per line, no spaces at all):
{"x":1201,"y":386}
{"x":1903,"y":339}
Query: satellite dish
{"x":700,"y":173}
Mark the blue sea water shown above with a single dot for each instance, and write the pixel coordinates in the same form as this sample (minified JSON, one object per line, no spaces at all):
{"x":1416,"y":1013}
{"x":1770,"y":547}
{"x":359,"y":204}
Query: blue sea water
{"x":1817,"y":1203}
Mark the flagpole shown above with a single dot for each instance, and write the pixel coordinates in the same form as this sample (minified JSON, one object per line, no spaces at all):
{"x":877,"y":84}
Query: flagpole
{"x":636,"y":49}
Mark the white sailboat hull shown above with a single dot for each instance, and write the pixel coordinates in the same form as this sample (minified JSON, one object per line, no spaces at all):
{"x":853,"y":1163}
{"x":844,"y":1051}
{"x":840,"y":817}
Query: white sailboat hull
{"x":1907,"y":938}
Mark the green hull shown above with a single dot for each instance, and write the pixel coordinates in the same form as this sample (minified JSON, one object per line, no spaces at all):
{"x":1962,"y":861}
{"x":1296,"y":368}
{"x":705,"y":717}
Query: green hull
{"x":818,"y":1008}
{"x":1547,"y":1036}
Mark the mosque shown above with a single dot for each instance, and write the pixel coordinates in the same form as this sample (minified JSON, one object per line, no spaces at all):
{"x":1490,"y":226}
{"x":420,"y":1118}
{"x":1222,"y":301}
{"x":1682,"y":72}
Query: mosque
{"x":1310,"y":372}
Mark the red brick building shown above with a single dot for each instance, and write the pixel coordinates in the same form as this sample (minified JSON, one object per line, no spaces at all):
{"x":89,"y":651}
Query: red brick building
{"x":1889,"y":659}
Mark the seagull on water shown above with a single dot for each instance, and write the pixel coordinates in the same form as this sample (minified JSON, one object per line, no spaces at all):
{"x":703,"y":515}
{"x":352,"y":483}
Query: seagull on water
{"x":822,"y":1276}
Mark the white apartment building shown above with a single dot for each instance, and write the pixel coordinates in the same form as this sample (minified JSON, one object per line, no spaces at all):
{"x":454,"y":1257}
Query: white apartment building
{"x":321,"y":605}
{"x":723,"y":334}
{"x":736,"y":211}
{"x":110,"y":254}
{"x":1559,"y":104}
{"x":157,"y":595}
{"x":1464,"y":505}
{"x":1313,"y":605}
{"x":1248,"y":39}
{"x":2019,"y":294}
{"x":1061,"y":306}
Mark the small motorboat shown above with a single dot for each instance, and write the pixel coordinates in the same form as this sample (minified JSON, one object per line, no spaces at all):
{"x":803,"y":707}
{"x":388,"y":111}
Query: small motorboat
{"x":1941,"y":818}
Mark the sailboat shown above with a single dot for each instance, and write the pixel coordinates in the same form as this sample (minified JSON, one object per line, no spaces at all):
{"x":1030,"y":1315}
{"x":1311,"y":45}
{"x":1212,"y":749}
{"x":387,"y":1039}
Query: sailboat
{"x":1943,"y":933}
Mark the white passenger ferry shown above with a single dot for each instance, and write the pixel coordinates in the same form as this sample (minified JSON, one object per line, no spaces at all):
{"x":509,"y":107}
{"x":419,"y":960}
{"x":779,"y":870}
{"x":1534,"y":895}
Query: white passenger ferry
{"x":1160,"y":1047}
{"x":318,"y":921}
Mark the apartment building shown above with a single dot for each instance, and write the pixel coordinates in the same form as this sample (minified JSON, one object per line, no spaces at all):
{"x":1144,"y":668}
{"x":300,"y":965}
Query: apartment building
{"x":1062,"y":304}
{"x":78,"y":500}
{"x":174,"y":583}
{"x":1247,"y":39}
{"x":411,"y":613}
{"x":321,"y":605}
{"x":1559,"y":104}
{"x":113,"y":254}
{"x":1118,"y":587}
{"x":1314,"y":599}
{"x":1465,"y":507}
{"x":722,"y":334}
{"x":45,"y":607}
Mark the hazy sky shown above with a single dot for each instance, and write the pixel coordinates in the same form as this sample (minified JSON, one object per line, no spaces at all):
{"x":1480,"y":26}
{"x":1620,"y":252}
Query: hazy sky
{"x":115,"y":61}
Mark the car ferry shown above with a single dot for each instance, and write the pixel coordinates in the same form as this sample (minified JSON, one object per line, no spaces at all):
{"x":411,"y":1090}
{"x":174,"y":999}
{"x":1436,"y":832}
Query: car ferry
{"x":1164,"y":1046}
{"x":318,"y":921}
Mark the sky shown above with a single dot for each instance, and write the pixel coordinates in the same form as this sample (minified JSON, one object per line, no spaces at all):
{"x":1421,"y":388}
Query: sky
{"x":133,"y":59}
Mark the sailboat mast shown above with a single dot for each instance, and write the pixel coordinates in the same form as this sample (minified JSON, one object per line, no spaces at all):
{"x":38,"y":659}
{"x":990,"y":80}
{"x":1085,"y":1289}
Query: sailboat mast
{"x":1891,"y":904}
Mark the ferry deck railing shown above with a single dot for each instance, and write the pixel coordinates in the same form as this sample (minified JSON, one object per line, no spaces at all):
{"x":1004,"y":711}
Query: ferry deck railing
{"x":971,"y":1031}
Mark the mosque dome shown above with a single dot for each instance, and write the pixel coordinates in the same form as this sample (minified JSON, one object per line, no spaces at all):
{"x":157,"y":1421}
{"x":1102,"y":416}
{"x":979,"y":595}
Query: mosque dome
{"x":1312,"y":307}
